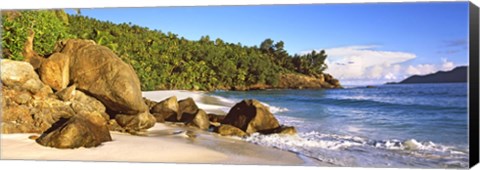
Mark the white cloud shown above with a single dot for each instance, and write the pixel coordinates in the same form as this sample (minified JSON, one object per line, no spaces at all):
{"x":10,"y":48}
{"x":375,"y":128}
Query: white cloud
{"x":367,"y":65}
{"x":421,"y":69}
{"x":364,"y":62}
{"x":447,"y":65}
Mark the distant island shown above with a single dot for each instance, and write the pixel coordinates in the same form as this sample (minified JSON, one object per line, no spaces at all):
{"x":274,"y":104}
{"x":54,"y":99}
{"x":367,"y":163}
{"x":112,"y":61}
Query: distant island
{"x":457,"y":75}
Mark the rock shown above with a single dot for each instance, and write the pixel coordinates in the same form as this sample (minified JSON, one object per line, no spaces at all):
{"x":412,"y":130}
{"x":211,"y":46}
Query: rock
{"x":201,"y":120}
{"x":285,"y":130}
{"x":335,"y":83}
{"x":186,"y":106}
{"x":20,"y":75}
{"x":17,"y":119}
{"x":228,"y":130}
{"x":67,"y":94}
{"x":22,"y":98}
{"x":48,"y":111}
{"x":328,"y":77}
{"x":100,"y":72}
{"x":215,"y":118}
{"x":55,"y":71}
{"x":114,"y":126}
{"x":33,"y":137}
{"x":77,"y":131}
{"x":33,"y":116}
{"x":135,"y":122}
{"x":327,"y":85}
{"x":166,"y":110}
{"x":81,"y":101}
{"x":149,"y":103}
{"x":251,"y":116}
{"x":188,"y":113}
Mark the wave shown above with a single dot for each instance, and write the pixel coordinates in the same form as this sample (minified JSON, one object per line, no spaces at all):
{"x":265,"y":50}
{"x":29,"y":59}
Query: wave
{"x":275,"y":109}
{"x":324,"y":147}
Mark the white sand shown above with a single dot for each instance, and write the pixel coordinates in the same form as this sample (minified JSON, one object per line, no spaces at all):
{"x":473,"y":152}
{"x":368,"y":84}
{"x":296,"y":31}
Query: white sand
{"x":165,"y":143}
{"x":124,"y":147}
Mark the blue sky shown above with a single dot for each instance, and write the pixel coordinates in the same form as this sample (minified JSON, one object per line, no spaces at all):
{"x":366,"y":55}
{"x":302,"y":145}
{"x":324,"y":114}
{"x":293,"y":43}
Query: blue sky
{"x":366,"y":43}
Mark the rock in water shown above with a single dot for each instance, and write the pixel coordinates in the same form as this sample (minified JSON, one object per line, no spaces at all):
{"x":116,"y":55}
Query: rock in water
{"x":285,"y":130}
{"x":166,"y":109}
{"x":55,"y":71}
{"x":20,"y":75}
{"x":77,"y":131}
{"x":100,"y":72}
{"x":228,"y":130}
{"x":251,"y":116}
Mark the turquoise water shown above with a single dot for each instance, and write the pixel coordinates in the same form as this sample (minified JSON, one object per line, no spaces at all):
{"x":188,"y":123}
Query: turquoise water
{"x":415,"y":125}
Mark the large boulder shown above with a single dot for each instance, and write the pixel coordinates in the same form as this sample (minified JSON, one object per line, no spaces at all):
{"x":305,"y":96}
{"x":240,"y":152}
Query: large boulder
{"x":166,"y":109}
{"x":100,"y":72}
{"x":82,"y":130}
{"x":55,"y":71}
{"x":251,"y":116}
{"x":20,"y":75}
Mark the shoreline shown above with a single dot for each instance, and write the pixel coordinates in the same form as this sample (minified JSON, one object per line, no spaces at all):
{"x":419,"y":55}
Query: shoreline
{"x":163,"y":143}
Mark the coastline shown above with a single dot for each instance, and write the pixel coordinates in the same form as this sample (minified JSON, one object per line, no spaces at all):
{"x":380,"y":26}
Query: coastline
{"x":165,"y":142}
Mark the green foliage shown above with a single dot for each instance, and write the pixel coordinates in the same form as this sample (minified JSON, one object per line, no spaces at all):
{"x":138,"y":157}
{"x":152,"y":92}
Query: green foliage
{"x":48,"y":26}
{"x":164,"y":60}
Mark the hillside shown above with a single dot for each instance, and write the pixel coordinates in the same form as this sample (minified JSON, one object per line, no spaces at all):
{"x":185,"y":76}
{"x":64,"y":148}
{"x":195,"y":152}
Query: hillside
{"x":165,"y":60}
{"x":458,"y":74}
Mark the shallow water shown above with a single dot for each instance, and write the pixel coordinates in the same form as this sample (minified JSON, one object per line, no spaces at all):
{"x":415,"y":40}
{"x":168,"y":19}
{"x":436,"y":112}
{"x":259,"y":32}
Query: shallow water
{"x":420,"y":125}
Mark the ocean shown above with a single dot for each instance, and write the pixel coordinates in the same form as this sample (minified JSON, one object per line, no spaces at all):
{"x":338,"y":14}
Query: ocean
{"x":401,"y":125}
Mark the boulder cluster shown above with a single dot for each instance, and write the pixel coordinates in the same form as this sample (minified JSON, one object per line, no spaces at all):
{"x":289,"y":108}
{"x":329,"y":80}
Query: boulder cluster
{"x":81,"y":92}
{"x":73,"y":96}
{"x":245,"y":118}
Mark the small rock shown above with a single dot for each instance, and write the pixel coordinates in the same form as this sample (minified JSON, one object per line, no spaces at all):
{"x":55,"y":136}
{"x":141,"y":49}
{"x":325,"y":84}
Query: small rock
{"x":23,"y":98}
{"x":215,"y":118}
{"x":166,"y":110}
{"x":137,"y":122}
{"x":33,"y":137}
{"x":67,"y":94}
{"x":228,"y":130}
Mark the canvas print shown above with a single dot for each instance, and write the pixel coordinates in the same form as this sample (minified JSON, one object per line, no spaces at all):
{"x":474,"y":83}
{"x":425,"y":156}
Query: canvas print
{"x":352,"y":85}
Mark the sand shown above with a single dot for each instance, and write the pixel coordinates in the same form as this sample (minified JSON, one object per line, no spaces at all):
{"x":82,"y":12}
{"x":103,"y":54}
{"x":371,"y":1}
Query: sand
{"x":165,"y":142}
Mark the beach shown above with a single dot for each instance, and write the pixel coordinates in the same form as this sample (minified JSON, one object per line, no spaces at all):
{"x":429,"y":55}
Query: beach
{"x":165,"y":142}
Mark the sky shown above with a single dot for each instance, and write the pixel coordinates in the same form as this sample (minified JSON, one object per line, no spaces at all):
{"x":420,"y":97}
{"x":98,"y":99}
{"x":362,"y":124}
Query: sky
{"x":365,"y":43}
